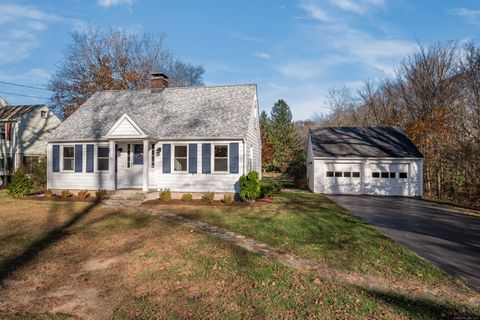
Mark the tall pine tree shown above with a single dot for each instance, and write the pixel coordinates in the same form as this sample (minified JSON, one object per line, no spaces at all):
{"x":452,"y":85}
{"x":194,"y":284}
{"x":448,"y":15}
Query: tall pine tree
{"x":267,"y":148}
{"x":283,"y":136}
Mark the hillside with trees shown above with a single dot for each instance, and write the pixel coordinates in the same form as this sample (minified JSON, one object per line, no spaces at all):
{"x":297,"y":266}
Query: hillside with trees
{"x":435,"y":98}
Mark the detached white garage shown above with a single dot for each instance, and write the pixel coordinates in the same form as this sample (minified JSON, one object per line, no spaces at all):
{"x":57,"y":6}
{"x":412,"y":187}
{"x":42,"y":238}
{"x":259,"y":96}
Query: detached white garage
{"x":368,"y":160}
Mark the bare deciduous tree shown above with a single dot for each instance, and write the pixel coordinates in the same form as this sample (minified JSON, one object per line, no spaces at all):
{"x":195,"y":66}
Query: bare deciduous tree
{"x":435,"y":97}
{"x":96,"y":60}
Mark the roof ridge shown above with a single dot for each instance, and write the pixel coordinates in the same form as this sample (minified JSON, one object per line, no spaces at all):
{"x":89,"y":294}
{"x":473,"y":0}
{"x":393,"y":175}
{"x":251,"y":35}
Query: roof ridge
{"x":182,"y":88}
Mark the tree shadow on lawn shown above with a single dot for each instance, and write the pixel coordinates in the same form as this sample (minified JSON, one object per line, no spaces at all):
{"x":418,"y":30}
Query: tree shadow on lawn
{"x":423,"y":307}
{"x":10,"y":265}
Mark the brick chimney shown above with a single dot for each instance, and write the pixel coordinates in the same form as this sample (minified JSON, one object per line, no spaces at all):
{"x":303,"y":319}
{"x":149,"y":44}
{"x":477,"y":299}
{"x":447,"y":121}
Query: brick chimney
{"x":158,"y":81}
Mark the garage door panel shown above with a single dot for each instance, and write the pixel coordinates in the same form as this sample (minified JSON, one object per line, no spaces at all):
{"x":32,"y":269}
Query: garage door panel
{"x":388,"y":179}
{"x":342,"y":178}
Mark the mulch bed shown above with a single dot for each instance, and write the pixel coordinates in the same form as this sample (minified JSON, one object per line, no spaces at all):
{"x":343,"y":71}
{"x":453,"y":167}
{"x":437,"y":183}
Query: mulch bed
{"x":178,"y":202}
{"x":60,"y":198}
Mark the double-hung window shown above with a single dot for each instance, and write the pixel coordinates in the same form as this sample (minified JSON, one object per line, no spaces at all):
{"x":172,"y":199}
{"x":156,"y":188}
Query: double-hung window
{"x":180,"y":158}
{"x":68,"y":158}
{"x":220,"y":158}
{"x":103,"y":158}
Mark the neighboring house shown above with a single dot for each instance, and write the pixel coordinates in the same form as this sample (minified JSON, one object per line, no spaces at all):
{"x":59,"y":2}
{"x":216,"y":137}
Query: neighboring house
{"x":187,"y":139}
{"x":370,"y":160}
{"x":23,"y":131}
{"x":3,"y":102}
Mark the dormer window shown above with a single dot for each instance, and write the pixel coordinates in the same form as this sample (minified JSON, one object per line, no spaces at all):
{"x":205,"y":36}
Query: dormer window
{"x":43,"y":114}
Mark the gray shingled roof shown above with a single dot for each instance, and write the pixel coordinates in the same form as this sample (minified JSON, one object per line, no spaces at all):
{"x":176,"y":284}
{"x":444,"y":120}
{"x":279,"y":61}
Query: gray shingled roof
{"x":10,"y":112}
{"x":375,"y":142}
{"x":194,"y":112}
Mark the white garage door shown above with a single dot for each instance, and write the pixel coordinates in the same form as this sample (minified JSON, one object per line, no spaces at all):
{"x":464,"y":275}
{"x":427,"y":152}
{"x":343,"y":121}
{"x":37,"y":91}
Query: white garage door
{"x":388,"y":179}
{"x":343,"y":178}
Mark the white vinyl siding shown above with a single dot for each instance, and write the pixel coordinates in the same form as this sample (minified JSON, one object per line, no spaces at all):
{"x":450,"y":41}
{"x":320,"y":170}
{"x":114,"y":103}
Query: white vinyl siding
{"x":125,"y":128}
{"x":199,"y":182}
{"x":97,"y":180}
{"x":253,"y":140}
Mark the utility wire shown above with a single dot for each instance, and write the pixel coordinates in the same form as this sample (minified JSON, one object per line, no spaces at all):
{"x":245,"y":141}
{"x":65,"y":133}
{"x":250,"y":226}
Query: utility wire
{"x":24,"y":95}
{"x":24,"y":85}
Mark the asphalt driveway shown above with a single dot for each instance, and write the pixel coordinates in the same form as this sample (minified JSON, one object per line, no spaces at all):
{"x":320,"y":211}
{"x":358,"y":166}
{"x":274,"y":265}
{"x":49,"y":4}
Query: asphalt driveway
{"x":443,"y":235}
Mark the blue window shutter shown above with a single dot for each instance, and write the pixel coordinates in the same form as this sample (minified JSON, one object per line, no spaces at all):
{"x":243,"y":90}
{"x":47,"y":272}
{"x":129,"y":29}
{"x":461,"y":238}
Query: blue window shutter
{"x":234,"y":157}
{"x":206,"y":157}
{"x":55,"y":158}
{"x":192,"y":158}
{"x":78,"y":158}
{"x":166,"y":158}
{"x":90,"y":157}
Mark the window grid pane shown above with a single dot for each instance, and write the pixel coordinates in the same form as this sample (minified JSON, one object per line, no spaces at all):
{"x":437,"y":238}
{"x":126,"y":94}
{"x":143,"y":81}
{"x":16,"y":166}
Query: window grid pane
{"x":220,"y":161}
{"x":180,"y":159}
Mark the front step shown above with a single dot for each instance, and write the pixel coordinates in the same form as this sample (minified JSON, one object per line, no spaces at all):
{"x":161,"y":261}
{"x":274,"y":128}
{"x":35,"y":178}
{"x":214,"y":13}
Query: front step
{"x":137,"y":195}
{"x":124,"y":198}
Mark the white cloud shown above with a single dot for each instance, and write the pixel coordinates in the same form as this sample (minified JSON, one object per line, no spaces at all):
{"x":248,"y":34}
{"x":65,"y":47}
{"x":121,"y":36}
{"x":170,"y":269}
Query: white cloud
{"x":473,"y":16}
{"x":262,"y":55}
{"x":13,"y":12}
{"x":335,"y":52}
{"x":112,"y":3}
{"x":315,"y":12}
{"x":348,"y":5}
{"x":21,"y":26}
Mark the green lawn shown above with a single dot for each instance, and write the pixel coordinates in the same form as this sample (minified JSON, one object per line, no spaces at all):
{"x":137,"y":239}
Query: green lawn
{"x":64,"y":261}
{"x":314,"y":227}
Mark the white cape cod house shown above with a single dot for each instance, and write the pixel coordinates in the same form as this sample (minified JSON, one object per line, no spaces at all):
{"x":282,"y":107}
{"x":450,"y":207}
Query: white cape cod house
{"x":187,"y":139}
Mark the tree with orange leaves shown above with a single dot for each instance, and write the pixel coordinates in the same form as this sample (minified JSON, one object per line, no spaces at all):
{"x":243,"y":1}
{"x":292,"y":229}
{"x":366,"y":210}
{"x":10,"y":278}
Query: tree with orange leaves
{"x":115,"y":60}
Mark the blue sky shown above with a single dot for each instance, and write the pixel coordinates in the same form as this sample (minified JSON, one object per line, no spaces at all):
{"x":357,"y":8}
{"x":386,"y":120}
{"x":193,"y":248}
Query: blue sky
{"x":295,"y":50}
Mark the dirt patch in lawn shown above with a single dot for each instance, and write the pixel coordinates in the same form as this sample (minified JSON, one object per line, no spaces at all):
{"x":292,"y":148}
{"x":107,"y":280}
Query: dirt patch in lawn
{"x":196,"y":202}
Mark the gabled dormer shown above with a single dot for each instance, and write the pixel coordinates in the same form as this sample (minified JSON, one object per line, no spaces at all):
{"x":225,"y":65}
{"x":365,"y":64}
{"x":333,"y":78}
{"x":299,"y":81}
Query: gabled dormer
{"x":125,"y":127}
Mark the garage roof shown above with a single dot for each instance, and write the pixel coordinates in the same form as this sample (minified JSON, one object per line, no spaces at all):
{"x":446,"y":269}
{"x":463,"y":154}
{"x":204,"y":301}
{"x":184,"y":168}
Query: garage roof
{"x":362,"y":142}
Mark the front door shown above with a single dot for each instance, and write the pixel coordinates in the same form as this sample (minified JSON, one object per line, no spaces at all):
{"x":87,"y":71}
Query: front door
{"x":130,"y":159}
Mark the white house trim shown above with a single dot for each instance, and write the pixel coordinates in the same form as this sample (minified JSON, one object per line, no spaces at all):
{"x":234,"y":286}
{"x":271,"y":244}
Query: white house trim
{"x":134,"y":130}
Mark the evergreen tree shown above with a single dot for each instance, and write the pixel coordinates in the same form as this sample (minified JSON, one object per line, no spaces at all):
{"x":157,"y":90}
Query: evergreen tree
{"x":263,"y":119}
{"x":283,"y":137}
{"x":267,"y":148}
